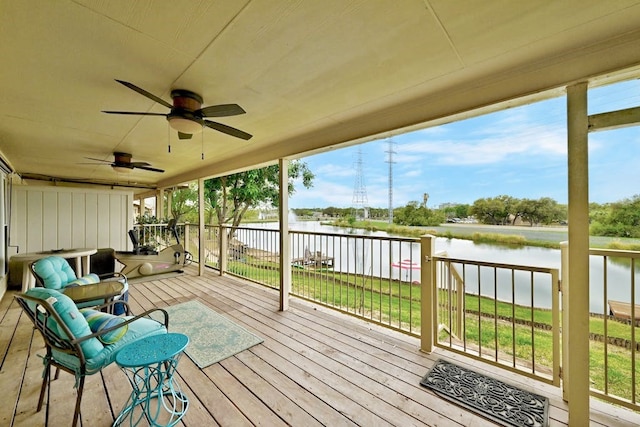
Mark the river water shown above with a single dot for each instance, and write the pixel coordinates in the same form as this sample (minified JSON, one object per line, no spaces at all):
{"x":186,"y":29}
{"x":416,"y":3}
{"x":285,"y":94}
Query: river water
{"x":618,"y":272}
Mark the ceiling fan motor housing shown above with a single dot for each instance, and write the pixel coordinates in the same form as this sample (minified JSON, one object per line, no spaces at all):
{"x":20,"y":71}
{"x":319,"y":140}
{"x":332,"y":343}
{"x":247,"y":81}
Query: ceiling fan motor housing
{"x":122,"y":158}
{"x":183,"y":116}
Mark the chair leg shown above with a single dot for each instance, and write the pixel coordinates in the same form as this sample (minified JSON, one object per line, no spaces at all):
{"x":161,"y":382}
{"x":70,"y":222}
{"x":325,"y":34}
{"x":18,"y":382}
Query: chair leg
{"x":76,"y":414}
{"x":46,"y":375}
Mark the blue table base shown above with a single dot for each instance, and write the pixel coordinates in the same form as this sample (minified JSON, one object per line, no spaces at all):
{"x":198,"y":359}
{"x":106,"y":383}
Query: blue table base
{"x":156,"y":399}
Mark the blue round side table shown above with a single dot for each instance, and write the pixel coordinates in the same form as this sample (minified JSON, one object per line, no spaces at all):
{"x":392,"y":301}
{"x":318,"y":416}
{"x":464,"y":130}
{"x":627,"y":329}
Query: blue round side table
{"x":150,"y":364}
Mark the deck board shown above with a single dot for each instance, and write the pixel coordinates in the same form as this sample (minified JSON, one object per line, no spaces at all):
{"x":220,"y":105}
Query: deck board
{"x":315,"y":367}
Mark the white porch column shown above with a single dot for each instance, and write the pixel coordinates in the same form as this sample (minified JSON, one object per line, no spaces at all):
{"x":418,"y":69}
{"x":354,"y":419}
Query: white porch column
{"x":160,"y":204}
{"x":285,"y":248}
{"x":564,"y":281}
{"x":577,"y":334}
{"x":201,"y":235}
{"x":428,"y":291}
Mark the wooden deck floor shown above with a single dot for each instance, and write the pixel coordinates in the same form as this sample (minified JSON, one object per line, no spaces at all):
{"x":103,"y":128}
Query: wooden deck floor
{"x":315,"y":367}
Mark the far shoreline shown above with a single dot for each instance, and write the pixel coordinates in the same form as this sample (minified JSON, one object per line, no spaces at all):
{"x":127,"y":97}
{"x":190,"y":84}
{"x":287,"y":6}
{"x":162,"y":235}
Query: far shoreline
{"x":519,"y":235}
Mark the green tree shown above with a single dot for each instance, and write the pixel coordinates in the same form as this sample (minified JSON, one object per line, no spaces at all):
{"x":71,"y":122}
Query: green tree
{"x":494,"y":210}
{"x":184,"y":203}
{"x":620,"y":219}
{"x":541,"y":211}
{"x":462,"y":211}
{"x":415,"y":214}
{"x":231,"y":196}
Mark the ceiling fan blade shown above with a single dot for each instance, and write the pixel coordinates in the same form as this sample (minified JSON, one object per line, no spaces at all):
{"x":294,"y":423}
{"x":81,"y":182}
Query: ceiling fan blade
{"x":222,"y":110}
{"x":184,"y":135}
{"x":133,"y":113}
{"x":145,"y":93}
{"x":228,"y":130}
{"x":149,"y":168}
{"x":139,"y":164}
{"x":97,"y":160}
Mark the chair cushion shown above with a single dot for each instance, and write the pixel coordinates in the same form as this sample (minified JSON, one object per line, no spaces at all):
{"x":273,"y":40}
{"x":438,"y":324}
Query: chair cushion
{"x":54,"y":271}
{"x":140,"y":328}
{"x":71,"y":316}
{"x":99,"y":321}
{"x":89,"y":279}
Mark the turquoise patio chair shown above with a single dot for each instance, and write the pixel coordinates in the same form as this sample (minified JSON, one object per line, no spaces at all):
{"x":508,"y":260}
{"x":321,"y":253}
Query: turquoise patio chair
{"x":82,"y":341}
{"x":54,"y":272}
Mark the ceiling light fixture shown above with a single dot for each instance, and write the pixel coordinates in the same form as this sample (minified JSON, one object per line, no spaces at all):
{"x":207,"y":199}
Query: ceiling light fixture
{"x":185,"y":125}
{"x":122,"y":169}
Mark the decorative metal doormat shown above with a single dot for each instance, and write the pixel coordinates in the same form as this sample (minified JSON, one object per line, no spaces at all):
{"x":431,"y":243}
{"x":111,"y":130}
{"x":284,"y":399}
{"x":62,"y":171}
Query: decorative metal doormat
{"x":493,"y":399}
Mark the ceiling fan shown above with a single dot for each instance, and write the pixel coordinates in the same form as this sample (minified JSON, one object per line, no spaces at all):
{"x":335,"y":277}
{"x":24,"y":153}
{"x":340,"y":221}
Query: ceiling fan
{"x":122,"y":163}
{"x":187,"y":115}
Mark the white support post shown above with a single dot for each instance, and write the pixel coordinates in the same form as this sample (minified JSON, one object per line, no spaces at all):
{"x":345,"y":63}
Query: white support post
{"x":160,"y":204}
{"x":285,"y":248}
{"x":223,"y":249}
{"x":577,"y":335}
{"x":564,"y":283}
{"x":201,"y":235}
{"x":185,"y":241}
{"x":428,"y":313}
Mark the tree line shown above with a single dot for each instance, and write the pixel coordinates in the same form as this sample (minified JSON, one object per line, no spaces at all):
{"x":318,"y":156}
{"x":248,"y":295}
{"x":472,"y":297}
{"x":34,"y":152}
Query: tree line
{"x":499,"y":210}
{"x":233,"y":198}
{"x":617,"y":219}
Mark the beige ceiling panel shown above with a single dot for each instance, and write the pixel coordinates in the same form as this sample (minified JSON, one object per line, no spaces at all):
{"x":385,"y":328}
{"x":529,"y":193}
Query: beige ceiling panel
{"x":57,"y":84}
{"x":481,"y":30}
{"x":187,"y":26}
{"x":310,"y":74}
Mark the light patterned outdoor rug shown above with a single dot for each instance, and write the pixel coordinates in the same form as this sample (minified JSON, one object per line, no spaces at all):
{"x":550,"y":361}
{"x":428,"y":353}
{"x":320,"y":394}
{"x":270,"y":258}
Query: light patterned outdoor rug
{"x":493,"y":399}
{"x":212,"y":337}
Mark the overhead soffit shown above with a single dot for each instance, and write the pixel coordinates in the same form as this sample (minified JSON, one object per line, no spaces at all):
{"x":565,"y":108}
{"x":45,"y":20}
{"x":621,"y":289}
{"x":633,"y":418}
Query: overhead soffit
{"x":309,"y":74}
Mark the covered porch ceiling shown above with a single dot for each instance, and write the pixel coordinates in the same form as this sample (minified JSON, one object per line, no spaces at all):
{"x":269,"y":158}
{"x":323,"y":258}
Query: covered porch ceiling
{"x":311,"y":75}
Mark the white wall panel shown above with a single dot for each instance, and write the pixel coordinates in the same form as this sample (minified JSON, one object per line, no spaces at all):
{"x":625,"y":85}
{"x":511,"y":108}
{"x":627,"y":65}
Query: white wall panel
{"x":65,"y":220}
{"x":49,"y":203}
{"x":45,"y":218}
{"x":104,"y":214}
{"x":79,"y":214}
{"x":91,"y":220}
{"x":35,"y":225}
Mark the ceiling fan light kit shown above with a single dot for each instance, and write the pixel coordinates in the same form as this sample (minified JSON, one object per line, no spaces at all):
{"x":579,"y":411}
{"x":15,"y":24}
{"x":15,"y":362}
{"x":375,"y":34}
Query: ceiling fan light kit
{"x":121,"y":169}
{"x":184,"y":125}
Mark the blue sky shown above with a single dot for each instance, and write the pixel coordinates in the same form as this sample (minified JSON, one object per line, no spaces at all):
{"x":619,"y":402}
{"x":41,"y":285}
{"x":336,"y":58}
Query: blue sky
{"x":520,"y":152}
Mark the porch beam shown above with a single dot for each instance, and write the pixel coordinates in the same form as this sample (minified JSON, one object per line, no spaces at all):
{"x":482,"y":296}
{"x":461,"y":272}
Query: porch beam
{"x":577,"y":336}
{"x":285,"y":248}
{"x":614,"y":119}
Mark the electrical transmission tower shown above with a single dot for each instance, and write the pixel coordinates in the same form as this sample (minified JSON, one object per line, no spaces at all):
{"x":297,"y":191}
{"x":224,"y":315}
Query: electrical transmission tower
{"x":360,"y":201}
{"x":390,"y":152}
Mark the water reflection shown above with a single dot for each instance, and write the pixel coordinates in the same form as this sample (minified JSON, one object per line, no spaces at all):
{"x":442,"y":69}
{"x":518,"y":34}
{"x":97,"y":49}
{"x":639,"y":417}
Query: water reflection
{"x":376,"y":260}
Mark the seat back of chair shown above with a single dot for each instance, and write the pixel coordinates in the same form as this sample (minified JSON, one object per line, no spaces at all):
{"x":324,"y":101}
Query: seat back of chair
{"x":44,"y":318}
{"x":53,"y":272}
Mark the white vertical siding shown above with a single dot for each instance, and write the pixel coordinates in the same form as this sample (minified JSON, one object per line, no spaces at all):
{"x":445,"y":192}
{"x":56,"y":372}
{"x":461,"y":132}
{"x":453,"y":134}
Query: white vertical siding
{"x":45,"y":218}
